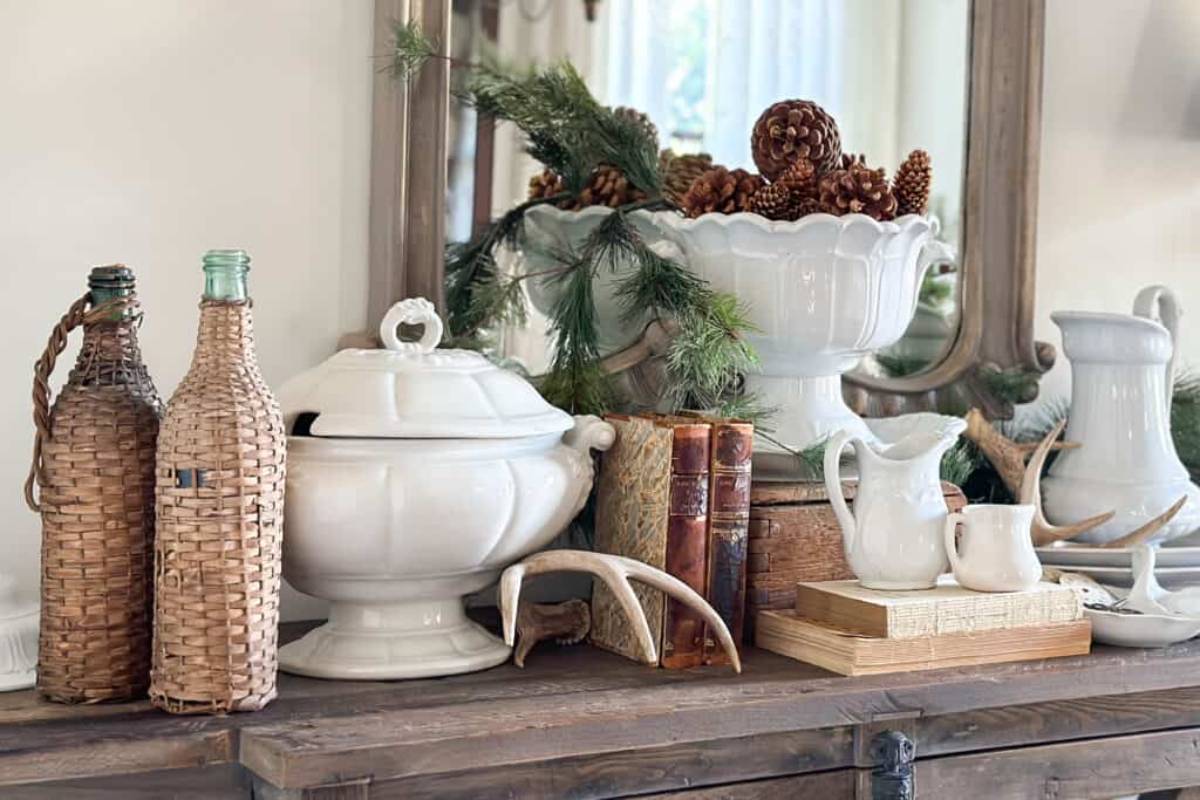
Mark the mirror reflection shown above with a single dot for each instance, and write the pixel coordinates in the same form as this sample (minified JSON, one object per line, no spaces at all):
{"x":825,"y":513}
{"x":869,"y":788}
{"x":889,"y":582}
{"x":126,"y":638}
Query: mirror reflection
{"x":894,"y":76}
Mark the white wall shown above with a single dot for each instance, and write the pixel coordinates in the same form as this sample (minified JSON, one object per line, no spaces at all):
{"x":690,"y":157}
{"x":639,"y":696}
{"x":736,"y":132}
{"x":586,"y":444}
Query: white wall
{"x":147,"y":131}
{"x":1119,"y":204}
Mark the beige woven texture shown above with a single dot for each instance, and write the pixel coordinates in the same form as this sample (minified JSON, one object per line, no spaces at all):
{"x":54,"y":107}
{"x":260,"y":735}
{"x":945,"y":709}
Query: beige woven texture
{"x":94,"y":465}
{"x":220,"y":490}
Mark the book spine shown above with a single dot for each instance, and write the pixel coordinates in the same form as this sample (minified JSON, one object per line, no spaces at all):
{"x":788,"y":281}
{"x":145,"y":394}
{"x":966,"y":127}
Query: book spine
{"x":728,"y":529}
{"x":687,"y":540}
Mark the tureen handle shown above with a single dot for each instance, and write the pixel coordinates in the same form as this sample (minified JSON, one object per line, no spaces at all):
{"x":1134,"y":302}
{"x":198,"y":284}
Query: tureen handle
{"x":413,"y":311}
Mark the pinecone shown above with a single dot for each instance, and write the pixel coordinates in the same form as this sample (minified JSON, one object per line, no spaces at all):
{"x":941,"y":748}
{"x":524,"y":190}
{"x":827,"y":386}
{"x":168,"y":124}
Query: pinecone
{"x":679,"y":172}
{"x":607,"y":186}
{"x":857,"y":190}
{"x":722,"y":190}
{"x":912,"y":184}
{"x":793,"y":129}
{"x":640,"y":119}
{"x":773,"y":201}
{"x":852,"y":158}
{"x":546,"y":183}
{"x":795,"y":189}
{"x":801,"y":179}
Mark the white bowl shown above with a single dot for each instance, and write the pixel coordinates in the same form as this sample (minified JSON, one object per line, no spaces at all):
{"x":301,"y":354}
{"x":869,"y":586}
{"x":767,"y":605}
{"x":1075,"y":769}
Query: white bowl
{"x":824,"y":291}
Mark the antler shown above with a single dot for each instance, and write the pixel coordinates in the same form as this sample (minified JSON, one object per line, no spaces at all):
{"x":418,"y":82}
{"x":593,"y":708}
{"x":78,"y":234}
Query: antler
{"x":1031,"y":494}
{"x":566,"y":623}
{"x":1148,"y":530}
{"x":1007,"y":456}
{"x":615,"y":571}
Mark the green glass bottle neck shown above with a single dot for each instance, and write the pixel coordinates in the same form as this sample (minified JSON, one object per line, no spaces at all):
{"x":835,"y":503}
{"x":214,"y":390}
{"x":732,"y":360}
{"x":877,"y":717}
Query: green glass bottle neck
{"x":110,"y":283}
{"x":225,"y":275}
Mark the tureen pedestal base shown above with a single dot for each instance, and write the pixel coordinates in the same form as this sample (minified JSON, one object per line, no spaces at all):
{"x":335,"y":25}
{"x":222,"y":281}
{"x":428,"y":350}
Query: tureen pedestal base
{"x":403,"y":640}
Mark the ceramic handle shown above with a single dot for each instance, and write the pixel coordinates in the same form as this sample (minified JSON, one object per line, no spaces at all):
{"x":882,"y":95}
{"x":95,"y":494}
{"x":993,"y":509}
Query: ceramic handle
{"x":951,"y":526}
{"x":1158,"y":303}
{"x":933,"y":252}
{"x":590,"y":433}
{"x":413,"y":311}
{"x":833,"y":481}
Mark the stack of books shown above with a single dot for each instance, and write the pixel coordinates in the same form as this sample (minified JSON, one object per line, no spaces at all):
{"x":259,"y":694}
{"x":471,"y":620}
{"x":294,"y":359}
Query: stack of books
{"x":851,"y":630}
{"x":674,"y":493}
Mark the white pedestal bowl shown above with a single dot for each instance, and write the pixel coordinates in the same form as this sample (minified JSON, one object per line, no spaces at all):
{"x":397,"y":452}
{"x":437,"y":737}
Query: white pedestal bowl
{"x":422,"y":475}
{"x":824,"y":291}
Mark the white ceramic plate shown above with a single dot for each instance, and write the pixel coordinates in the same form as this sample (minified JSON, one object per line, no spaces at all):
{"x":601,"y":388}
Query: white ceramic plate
{"x":1169,"y":577}
{"x":1141,"y":630}
{"x":1182,"y":552}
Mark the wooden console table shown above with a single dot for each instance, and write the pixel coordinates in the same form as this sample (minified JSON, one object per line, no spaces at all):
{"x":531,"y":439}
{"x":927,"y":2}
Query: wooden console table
{"x":581,"y":723}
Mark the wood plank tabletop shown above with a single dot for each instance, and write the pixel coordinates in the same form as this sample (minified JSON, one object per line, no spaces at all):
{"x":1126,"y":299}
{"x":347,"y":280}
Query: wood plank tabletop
{"x":580,"y":704}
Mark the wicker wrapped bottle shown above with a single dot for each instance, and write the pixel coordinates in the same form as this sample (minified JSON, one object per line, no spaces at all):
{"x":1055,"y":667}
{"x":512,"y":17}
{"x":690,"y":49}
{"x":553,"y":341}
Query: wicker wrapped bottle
{"x":220,"y":515}
{"x":93,"y":462}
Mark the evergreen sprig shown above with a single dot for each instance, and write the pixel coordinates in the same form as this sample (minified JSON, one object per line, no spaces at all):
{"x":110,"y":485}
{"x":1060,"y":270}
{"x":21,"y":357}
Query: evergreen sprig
{"x":410,"y":49}
{"x":571,"y":133}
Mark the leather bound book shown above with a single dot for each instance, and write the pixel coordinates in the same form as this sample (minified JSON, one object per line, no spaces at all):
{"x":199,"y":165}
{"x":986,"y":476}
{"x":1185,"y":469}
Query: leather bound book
{"x":687,"y":539}
{"x":652,"y":505}
{"x":728,"y":527}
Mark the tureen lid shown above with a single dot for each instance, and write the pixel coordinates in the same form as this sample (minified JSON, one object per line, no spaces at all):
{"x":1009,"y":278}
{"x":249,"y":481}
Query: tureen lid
{"x":411,"y":390}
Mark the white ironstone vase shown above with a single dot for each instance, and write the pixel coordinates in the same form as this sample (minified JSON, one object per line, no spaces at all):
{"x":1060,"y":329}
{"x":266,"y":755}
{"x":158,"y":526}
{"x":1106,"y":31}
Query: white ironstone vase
{"x":1122,"y":376}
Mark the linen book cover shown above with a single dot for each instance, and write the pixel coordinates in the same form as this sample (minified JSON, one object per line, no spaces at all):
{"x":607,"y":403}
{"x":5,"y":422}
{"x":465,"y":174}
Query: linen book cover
{"x":946,"y":608}
{"x":652,"y":505}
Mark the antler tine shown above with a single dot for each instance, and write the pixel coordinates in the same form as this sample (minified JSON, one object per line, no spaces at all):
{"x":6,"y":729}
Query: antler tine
{"x":663,"y":581}
{"x":616,"y":571}
{"x":1151,"y":527}
{"x":1007,"y":456}
{"x":1031,"y":494}
{"x":509,"y":596}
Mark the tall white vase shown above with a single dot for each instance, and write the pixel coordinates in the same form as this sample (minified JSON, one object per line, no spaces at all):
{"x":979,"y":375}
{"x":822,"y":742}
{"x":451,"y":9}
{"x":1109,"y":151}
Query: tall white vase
{"x":1122,"y":376}
{"x":823,"y":291}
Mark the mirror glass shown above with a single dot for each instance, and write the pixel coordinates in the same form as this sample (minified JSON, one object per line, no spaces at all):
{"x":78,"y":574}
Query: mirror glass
{"x":893,"y":74}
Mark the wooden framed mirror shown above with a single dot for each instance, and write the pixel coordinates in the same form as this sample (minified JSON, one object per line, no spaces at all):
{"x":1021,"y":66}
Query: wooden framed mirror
{"x":989,"y":358}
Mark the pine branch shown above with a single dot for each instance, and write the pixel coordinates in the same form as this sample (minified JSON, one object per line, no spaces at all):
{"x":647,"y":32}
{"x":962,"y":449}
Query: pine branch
{"x":410,"y":50}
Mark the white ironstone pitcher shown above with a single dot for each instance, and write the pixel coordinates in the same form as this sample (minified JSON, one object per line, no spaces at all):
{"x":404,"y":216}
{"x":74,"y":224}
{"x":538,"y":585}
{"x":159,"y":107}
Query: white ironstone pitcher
{"x":1122,"y":376}
{"x":893,"y":539}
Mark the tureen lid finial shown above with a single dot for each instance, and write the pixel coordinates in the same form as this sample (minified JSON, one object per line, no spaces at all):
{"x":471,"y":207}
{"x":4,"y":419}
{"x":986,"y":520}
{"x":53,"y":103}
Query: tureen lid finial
{"x":413,"y":311}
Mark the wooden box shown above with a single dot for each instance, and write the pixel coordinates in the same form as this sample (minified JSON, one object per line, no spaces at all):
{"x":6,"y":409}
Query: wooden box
{"x":795,"y":537}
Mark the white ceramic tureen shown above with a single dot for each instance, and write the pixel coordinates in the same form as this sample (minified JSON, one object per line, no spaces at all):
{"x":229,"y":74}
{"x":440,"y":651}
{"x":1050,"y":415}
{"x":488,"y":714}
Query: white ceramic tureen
{"x":415,"y":476}
{"x":823,"y":291}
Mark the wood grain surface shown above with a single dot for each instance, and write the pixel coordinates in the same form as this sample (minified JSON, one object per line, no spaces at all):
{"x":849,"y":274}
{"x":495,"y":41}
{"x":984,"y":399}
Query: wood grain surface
{"x":579,"y":722}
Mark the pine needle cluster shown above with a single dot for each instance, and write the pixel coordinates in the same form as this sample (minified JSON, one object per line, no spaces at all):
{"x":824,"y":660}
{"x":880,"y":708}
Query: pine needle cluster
{"x":570,"y":132}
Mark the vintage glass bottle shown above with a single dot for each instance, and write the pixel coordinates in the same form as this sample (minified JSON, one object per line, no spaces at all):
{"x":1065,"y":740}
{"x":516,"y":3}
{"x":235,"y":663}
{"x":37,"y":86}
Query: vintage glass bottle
{"x":220,"y":483}
{"x":94,"y":467}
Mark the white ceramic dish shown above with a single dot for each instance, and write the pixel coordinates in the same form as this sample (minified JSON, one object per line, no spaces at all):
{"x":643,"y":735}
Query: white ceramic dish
{"x":824,"y":291}
{"x":1183,"y":552}
{"x":1141,"y":630}
{"x":1169,"y":577}
{"x":422,"y":476}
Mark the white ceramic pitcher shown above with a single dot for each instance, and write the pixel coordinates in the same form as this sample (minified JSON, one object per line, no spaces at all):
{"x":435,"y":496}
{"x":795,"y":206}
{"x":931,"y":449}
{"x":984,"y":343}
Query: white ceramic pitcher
{"x":995,"y":552}
{"x":893,"y":538}
{"x":1122,"y":376}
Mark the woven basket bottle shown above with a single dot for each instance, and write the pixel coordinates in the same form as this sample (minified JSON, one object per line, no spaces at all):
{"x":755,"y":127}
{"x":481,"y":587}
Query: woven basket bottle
{"x":220,"y":515}
{"x":93,"y":464}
